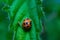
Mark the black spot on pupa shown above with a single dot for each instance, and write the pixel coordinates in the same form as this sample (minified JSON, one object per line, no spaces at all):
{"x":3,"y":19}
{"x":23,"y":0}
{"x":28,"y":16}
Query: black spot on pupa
{"x":26,"y":23}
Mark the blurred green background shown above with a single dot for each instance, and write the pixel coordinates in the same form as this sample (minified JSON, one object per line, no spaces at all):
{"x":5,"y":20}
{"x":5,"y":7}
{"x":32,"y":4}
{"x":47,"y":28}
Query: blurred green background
{"x":45,"y":16}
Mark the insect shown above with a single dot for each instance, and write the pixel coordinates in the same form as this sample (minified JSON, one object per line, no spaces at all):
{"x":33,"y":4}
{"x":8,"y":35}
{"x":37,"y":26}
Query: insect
{"x":27,"y":24}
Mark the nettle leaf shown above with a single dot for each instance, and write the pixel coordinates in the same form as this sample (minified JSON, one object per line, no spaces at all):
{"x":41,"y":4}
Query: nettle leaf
{"x":20,"y":10}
